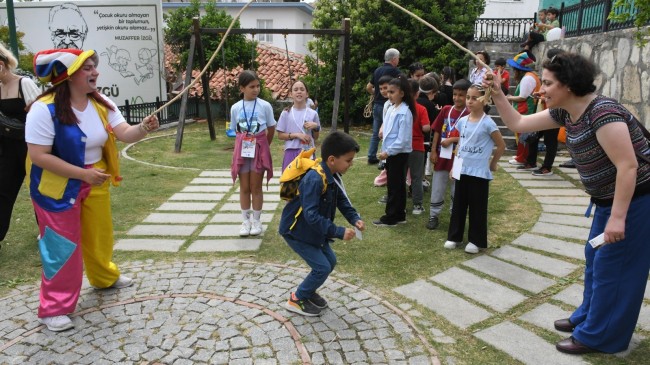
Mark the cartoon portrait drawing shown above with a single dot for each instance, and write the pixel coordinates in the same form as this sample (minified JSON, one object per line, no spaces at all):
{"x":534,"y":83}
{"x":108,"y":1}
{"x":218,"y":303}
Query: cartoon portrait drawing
{"x":119,"y":60}
{"x":68,"y":29}
{"x":145,"y":67}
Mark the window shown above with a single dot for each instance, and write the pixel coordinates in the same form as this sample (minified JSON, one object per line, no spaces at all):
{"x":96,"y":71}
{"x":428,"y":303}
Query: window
{"x":265,"y":24}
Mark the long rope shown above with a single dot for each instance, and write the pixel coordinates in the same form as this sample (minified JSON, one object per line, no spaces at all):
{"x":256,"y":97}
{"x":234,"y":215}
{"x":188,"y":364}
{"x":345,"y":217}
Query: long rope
{"x":214,"y":55}
{"x":488,"y":94}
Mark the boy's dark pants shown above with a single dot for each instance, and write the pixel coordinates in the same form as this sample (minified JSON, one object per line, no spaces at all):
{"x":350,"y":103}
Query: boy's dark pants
{"x":396,"y":167}
{"x":321,"y":260}
{"x":471,"y":192}
{"x":12,"y":174}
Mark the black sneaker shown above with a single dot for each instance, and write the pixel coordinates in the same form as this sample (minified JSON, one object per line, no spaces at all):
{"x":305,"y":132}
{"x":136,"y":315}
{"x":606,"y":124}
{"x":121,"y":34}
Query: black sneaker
{"x":383,"y":199}
{"x":304,"y":307}
{"x":373,"y":161}
{"x":380,"y":223}
{"x":433,"y":223}
{"x":568,"y":164}
{"x":318,"y":301}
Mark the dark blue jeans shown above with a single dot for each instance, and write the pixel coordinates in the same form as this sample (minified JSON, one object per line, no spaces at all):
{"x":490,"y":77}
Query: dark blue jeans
{"x":321,"y":260}
{"x":377,"y":121}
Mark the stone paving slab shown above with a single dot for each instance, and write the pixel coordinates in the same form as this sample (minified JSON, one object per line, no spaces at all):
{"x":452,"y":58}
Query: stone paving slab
{"x":190,"y":207}
{"x":558,"y":192}
{"x":229,"y":245}
{"x":546,"y":184}
{"x":535,"y":261}
{"x":197,"y":196}
{"x":568,"y":170}
{"x":560,"y":230}
{"x":215,"y":173}
{"x":574,"y":176}
{"x":271,"y":188}
{"x":211,"y":181}
{"x":157,"y":244}
{"x":571,"y":295}
{"x":268,"y":197}
{"x":558,"y":247}
{"x":175,"y":218}
{"x":571,"y":220}
{"x":489,"y":293}
{"x":456,"y":310}
{"x":509,"y":168}
{"x":509,"y":273}
{"x":224,"y":230}
{"x":525,"y":346}
{"x":564,"y":200}
{"x":544,"y":316}
{"x":268,"y":207}
{"x":644,"y":317}
{"x":528,"y":176}
{"x":564,"y":209}
{"x":219,"y":312}
{"x":162,"y":230}
{"x":206,"y":189}
{"x":237,"y":218}
{"x":647,"y":290}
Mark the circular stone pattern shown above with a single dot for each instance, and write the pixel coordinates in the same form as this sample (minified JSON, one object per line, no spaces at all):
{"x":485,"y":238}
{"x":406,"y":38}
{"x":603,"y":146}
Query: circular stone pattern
{"x":220,"y":312}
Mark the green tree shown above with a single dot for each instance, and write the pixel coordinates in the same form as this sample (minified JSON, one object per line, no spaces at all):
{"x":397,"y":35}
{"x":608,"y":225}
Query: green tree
{"x":376,"y":26}
{"x":623,"y":10}
{"x":179,"y":31}
{"x":25,"y":58}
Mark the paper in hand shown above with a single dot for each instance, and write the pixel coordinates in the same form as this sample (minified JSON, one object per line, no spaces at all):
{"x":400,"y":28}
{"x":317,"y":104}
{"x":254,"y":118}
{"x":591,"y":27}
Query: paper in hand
{"x":447,"y":152}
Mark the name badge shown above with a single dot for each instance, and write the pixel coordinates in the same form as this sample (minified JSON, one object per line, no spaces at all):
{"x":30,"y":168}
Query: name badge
{"x":248,"y":147}
{"x":457,"y":168}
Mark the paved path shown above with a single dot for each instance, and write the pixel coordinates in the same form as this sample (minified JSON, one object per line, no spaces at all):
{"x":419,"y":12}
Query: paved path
{"x":535,"y":265}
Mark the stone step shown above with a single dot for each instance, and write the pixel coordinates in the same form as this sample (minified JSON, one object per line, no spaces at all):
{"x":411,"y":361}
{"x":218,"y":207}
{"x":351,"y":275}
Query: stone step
{"x":177,"y":218}
{"x":558,"y":192}
{"x":560,"y":230}
{"x":570,"y":220}
{"x":564,"y":209}
{"x":270,"y":189}
{"x":237,"y":218}
{"x":551,"y":245}
{"x":162,"y":230}
{"x":546,"y":184}
{"x":215,"y":173}
{"x":544,"y":316}
{"x":456,"y":310}
{"x":572,"y":295}
{"x":484,"y":291}
{"x":525,"y":346}
{"x":528,"y":176}
{"x":212,"y":181}
{"x":197,"y":197}
{"x":148,"y":244}
{"x":224,"y":230}
{"x":564,"y":200}
{"x":227,"y":245}
{"x":535,"y":261}
{"x":509,"y":273}
{"x":206,"y":189}
{"x":187,"y":206}
{"x":268,"y":197}
{"x":268,"y":207}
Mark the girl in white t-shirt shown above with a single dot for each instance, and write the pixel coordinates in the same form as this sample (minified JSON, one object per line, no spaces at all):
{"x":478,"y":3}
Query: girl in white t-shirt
{"x":299,"y":125}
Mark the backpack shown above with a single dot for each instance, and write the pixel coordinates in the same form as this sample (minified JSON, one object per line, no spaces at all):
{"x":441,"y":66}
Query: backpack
{"x":296,"y":170}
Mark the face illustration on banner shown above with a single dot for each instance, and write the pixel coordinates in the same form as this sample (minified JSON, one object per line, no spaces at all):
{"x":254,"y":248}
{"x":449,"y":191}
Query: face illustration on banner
{"x":68,"y":28}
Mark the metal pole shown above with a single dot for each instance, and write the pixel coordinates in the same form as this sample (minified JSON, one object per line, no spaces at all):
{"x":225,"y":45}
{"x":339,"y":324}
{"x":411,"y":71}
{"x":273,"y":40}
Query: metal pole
{"x":11,"y":22}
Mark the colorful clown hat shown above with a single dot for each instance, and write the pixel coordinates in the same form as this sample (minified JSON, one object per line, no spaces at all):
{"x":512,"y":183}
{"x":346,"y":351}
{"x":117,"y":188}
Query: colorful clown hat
{"x":522,"y":62}
{"x":57,"y":65}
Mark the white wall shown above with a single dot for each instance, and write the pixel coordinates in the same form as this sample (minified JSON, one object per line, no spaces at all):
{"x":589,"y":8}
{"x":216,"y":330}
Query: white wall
{"x":510,"y":8}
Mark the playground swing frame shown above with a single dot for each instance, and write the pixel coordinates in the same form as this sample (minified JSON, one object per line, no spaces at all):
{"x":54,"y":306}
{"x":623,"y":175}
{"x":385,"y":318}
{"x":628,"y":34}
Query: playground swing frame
{"x":342,"y":70}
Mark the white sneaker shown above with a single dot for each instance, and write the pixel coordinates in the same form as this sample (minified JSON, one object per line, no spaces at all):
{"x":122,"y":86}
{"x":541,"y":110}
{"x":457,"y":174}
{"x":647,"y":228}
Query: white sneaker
{"x":450,"y":245}
{"x":245,"y":229}
{"x":256,"y":228}
{"x":417,"y":209}
{"x":515,"y":162}
{"x":471,"y":248}
{"x":57,"y":323}
{"x":122,"y":282}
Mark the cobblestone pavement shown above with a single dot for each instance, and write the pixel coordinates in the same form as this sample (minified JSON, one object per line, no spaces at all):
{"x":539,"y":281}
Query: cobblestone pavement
{"x":218,"y":312}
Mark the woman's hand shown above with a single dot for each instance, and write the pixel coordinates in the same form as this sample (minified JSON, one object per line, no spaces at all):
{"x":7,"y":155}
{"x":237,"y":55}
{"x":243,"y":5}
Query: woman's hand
{"x":492,"y":81}
{"x":614,"y":230}
{"x":150,"y":123}
{"x":383,"y":155}
{"x":95,"y":177}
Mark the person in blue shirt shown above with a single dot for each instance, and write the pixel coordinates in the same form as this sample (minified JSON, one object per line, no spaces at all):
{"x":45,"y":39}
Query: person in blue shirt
{"x":307,"y":222}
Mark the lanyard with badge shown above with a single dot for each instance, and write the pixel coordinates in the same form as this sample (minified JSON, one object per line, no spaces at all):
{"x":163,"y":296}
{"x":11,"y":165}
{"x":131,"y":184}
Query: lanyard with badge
{"x":300,"y":124}
{"x":357,"y":232}
{"x":447,"y":152}
{"x":458,"y":161}
{"x":249,"y":140}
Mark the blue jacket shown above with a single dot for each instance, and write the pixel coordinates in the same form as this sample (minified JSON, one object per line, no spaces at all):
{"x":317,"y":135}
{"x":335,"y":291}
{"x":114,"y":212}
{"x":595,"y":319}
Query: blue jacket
{"x":314,"y":225}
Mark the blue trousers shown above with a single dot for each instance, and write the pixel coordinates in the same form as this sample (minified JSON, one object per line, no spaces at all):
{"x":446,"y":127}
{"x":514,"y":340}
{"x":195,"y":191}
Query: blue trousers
{"x":615,"y":278}
{"x":377,"y":121}
{"x":321,"y":260}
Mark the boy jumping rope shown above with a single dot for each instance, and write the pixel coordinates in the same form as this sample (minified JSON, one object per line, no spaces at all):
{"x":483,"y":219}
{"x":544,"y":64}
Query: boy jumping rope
{"x":307,"y":222}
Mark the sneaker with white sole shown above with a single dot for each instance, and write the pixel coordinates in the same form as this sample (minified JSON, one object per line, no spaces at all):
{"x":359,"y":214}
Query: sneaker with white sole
{"x":122,"y":282}
{"x":245,"y":229}
{"x":304,"y":307}
{"x":57,"y":323}
{"x":471,"y":248}
{"x":417,"y":209}
{"x":256,"y":228}
{"x":515,"y":162}
{"x":450,"y":245}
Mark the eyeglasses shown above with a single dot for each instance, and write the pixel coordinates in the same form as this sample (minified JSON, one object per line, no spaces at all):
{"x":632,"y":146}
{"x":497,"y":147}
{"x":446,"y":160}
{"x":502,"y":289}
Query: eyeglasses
{"x":74,"y":35}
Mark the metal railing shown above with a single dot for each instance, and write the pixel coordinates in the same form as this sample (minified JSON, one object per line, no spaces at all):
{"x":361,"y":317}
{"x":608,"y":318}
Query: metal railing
{"x":591,"y":16}
{"x":133,"y":113}
{"x":507,"y":30}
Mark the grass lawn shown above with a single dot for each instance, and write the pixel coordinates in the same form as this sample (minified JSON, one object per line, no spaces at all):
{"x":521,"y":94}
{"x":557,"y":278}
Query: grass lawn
{"x":384,"y":259}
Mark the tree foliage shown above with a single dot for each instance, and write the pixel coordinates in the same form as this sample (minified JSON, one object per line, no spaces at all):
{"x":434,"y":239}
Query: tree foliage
{"x":25,"y":58}
{"x":180,"y":27}
{"x":376,"y":26}
{"x":623,"y":10}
